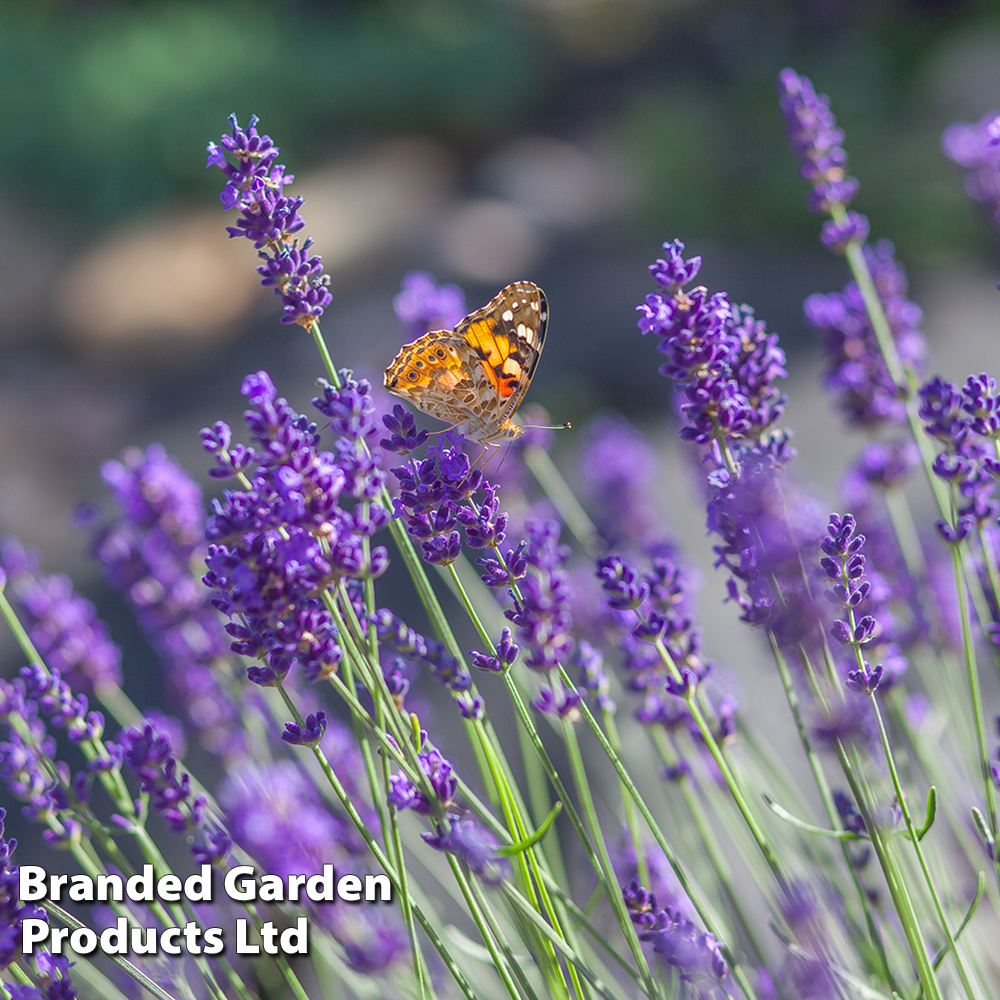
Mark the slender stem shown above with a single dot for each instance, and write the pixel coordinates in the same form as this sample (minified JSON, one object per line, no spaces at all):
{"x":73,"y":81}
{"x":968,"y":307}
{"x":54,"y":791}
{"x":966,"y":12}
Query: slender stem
{"x":582,"y":782}
{"x":833,"y":815}
{"x":484,"y":929}
{"x":915,"y":840}
{"x":700,"y":905}
{"x":976,"y":702}
{"x":548,"y":476}
{"x":383,"y":861}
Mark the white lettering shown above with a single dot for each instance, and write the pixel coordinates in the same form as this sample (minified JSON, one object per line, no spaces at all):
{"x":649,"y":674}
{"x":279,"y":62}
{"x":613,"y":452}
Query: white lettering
{"x":245,"y":891}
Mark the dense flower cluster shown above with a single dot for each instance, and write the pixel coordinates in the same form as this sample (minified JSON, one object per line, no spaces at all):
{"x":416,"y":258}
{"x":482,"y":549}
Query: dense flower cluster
{"x":895,"y":595}
{"x":764,"y":536}
{"x":147,"y":752}
{"x":12,"y":910}
{"x":966,"y":422}
{"x":62,"y":625}
{"x":844,"y":565}
{"x":696,"y":955}
{"x":440,"y":494}
{"x":278,"y":545}
{"x":441,"y":782}
{"x":721,"y":359}
{"x":658,"y":600}
{"x":151,"y":553}
{"x":856,"y":372}
{"x":29,"y":769}
{"x":255,"y":186}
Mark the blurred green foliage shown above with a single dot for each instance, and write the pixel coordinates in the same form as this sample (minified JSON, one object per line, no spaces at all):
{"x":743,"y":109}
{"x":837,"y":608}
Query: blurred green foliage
{"x":104,"y":108}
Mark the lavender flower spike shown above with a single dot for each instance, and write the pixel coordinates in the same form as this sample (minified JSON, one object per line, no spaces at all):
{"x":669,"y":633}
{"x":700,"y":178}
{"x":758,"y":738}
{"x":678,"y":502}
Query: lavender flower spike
{"x":254,"y":185}
{"x":816,"y":141}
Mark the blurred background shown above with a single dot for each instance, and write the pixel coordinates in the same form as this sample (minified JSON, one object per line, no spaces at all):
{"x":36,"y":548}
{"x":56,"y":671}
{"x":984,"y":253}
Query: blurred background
{"x":556,"y":140}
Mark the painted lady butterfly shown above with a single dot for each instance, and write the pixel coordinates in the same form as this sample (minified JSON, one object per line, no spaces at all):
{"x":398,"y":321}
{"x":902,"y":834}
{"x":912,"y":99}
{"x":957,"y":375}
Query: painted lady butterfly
{"x":475,"y":376}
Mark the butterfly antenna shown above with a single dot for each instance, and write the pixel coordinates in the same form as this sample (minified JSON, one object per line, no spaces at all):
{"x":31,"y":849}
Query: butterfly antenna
{"x":552,"y":427}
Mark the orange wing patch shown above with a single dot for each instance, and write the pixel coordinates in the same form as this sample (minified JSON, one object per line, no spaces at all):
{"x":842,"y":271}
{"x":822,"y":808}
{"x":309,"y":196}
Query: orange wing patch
{"x":496,"y":354}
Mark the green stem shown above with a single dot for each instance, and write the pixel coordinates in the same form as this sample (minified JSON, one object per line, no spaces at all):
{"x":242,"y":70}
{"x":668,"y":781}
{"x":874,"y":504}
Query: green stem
{"x":830,"y":807}
{"x":915,"y":840}
{"x":68,"y":920}
{"x":386,"y":865}
{"x":712,"y":924}
{"x":625,"y":924}
{"x":976,"y":701}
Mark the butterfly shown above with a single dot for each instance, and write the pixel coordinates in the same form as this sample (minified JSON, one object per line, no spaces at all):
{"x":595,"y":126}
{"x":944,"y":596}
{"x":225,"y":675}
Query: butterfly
{"x":475,"y":376}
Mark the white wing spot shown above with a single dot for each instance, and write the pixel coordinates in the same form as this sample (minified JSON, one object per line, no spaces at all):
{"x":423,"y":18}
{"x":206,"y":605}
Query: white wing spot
{"x":522,"y":330}
{"x":507,"y":316}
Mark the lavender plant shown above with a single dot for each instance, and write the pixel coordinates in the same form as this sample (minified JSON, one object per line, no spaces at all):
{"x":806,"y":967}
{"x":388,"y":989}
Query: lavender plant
{"x":688,"y":859}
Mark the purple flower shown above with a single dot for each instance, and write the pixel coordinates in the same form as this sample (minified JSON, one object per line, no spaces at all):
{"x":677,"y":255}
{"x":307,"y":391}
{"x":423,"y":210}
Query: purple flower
{"x":294,"y":533}
{"x":672,"y":271}
{"x":816,"y":141}
{"x":473,"y":844}
{"x":856,"y":372}
{"x":764,"y":535}
{"x":967,"y":425}
{"x":148,"y":551}
{"x":437,"y":497}
{"x":147,"y":752}
{"x":441,"y":782}
{"x":403,"y":433}
{"x":275,"y":813}
{"x":60,"y":705}
{"x":696,"y":955}
{"x":721,"y":359}
{"x":558,"y":703}
{"x":62,"y":625}
{"x":974,"y":147}
{"x":542,"y":613}
{"x":268,"y":217}
{"x":625,"y":589}
{"x":12,"y":911}
{"x":618,"y":468}
{"x":593,"y":677}
{"x":836,"y":235}
{"x":865,"y":678}
{"x":308,"y":735}
{"x":423,"y":305}
{"x":395,"y":633}
{"x":506,"y":653}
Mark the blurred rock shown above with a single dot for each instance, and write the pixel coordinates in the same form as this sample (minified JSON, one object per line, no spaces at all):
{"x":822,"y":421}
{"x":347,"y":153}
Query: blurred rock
{"x":558,"y":183}
{"x":162,"y":279}
{"x":489,"y":240}
{"x":179,"y":278}
{"x":374,"y":201}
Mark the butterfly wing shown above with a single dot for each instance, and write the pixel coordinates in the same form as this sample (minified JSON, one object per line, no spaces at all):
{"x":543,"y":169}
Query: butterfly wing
{"x":476,"y":376}
{"x":433,"y":373}
{"x":506,"y":338}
